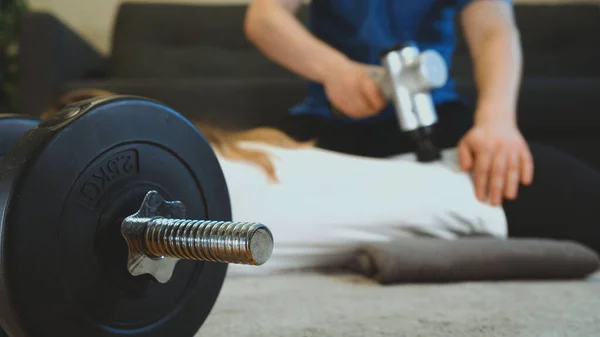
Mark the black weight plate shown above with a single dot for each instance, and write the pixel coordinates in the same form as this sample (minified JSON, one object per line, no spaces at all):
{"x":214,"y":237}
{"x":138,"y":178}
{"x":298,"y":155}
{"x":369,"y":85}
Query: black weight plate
{"x":65,"y":188}
{"x":12,"y":127}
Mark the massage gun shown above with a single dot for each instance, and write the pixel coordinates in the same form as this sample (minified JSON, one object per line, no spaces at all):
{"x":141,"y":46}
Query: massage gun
{"x":409,"y":77}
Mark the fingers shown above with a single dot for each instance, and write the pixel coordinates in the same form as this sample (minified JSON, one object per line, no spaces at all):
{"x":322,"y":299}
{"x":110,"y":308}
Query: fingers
{"x":355,"y":93}
{"x":509,"y":168}
{"x":527,"y":166}
{"x":349,"y":105}
{"x":499,"y":166}
{"x":367,"y":101}
{"x":359,"y":106}
{"x":465,"y":156}
{"x":373,"y":96}
{"x":497,"y":177}
{"x":356,"y":104}
{"x":481,"y":173}
{"x":512,"y":175}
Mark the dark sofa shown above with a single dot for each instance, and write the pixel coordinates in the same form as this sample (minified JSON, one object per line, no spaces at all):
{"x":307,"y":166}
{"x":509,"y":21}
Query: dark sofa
{"x":196,"y":59}
{"x":193,"y":58}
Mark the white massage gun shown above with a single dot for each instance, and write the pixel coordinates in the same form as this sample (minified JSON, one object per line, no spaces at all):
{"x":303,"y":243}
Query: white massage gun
{"x":409,"y":77}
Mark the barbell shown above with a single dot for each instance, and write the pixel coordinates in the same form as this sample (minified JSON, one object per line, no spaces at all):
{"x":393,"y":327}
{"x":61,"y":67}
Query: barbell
{"x":97,"y":229}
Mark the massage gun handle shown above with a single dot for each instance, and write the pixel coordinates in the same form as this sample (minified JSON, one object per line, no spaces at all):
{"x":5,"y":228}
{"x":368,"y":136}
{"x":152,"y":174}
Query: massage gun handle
{"x":426,"y":151}
{"x":381,"y":78}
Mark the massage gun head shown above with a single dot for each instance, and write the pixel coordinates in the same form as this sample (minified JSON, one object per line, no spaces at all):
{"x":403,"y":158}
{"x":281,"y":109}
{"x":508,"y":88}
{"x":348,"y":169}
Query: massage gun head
{"x":411,"y":75}
{"x":419,"y":71}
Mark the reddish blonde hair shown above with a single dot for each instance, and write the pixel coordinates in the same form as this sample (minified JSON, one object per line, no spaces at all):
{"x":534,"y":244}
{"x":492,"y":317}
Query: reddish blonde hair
{"x":72,"y":97}
{"x":225,"y":142}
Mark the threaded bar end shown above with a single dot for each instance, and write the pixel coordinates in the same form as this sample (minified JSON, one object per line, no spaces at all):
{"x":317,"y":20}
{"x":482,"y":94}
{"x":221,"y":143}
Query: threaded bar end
{"x":214,"y":241}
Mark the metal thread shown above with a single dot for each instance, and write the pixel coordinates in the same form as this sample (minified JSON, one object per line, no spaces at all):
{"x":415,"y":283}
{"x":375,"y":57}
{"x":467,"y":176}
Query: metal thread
{"x":216,"y":241}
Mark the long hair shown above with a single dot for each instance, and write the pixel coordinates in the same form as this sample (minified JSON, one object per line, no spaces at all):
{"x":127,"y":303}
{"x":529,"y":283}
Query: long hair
{"x":73,"y":97}
{"x":227,"y":143}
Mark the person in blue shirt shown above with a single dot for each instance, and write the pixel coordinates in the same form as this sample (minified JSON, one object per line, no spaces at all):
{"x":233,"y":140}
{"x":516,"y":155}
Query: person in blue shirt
{"x":345,"y":37}
{"x":343,"y":41}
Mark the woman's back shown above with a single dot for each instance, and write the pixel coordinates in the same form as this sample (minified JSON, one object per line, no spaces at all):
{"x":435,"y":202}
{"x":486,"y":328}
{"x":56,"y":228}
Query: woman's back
{"x":325,"y":205}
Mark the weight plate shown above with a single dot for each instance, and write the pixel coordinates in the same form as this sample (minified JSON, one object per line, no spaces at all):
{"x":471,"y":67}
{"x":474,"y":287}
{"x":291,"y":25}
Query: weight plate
{"x":12,"y":127}
{"x":65,"y":189}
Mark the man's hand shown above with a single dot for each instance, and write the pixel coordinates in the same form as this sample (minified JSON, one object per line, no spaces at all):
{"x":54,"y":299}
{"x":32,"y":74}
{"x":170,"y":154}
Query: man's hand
{"x":494,"y":148}
{"x":277,"y":32}
{"x":352,"y":91}
{"x":499,"y":159}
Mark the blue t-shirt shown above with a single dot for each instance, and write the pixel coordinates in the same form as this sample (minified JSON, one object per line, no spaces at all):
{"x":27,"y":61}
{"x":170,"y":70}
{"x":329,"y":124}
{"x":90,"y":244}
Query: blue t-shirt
{"x":361,"y":29}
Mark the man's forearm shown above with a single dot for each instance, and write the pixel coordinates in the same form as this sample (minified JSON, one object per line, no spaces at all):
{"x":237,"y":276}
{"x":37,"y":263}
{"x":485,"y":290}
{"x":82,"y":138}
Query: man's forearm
{"x":494,"y":43}
{"x":498,"y":68}
{"x":281,"y":37}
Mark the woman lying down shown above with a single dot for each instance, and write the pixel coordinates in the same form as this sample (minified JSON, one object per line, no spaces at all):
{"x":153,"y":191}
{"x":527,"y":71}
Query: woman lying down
{"x":322,"y":205}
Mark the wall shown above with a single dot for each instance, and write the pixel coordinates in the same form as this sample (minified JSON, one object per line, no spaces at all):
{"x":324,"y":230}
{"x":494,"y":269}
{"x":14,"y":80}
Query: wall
{"x":93,"y":19}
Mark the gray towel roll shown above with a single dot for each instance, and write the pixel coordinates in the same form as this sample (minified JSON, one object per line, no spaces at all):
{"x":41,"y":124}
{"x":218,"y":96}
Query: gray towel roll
{"x":474,"y":259}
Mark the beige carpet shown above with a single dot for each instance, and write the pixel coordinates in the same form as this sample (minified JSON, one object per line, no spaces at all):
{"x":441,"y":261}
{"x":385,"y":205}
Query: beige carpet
{"x":309,"y":305}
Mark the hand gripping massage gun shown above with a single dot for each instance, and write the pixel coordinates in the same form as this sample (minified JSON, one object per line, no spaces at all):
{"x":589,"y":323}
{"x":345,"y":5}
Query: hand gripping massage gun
{"x":409,"y":77}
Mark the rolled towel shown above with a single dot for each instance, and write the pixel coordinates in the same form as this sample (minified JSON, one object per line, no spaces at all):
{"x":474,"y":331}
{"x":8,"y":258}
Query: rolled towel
{"x":411,"y":260}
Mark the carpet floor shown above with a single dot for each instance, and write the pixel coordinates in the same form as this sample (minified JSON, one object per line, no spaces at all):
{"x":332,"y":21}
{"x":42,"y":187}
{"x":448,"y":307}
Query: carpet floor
{"x":303,"y":305}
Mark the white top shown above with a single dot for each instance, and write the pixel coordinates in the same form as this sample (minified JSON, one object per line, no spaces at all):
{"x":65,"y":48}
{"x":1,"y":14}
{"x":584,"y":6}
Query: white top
{"x":327,"y":204}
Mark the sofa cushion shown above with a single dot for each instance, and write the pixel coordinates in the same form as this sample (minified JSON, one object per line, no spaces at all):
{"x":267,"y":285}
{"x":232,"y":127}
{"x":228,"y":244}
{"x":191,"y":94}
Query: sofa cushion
{"x":230,"y":103}
{"x":557,"y":41}
{"x":179,"y":41}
